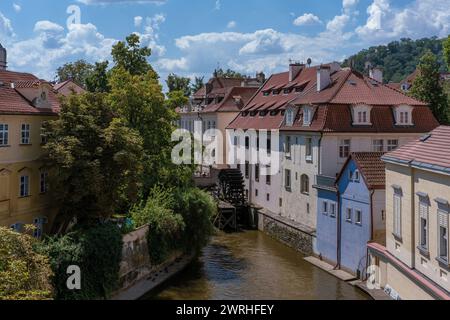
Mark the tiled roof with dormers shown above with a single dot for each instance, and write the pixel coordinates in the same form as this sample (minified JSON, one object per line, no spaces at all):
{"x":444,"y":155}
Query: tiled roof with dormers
{"x":332,"y":104}
{"x":12,"y":102}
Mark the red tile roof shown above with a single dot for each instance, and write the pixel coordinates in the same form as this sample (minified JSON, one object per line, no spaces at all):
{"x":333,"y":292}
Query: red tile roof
{"x":228,"y":104}
{"x":372,"y":168}
{"x":12,"y":102}
{"x":347,"y":88}
{"x":431,"y":152}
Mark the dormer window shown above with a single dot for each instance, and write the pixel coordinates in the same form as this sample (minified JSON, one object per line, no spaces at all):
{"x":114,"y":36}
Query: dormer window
{"x":276,"y":92}
{"x":290,"y":115}
{"x":361,"y":115}
{"x":403,"y":115}
{"x":307,"y":115}
{"x":266,"y":93}
{"x":287,"y":91}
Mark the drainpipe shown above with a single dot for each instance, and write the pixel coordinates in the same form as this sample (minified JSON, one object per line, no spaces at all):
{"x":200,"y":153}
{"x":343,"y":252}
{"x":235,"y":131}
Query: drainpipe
{"x":372,"y":232}
{"x":339,"y":231}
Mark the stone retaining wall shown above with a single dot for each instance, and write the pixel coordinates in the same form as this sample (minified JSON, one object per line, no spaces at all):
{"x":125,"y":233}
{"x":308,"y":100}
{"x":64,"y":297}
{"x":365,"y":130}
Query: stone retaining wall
{"x":287,"y":233}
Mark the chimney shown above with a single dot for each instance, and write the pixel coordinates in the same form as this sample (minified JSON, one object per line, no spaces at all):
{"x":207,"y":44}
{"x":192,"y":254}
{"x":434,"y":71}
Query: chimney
{"x":376,"y":74}
{"x":294,"y":69}
{"x":3,"y":58}
{"x":323,"y":77}
{"x":261,"y":77}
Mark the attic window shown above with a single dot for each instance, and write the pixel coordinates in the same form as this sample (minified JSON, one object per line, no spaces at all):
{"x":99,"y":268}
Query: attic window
{"x":253,"y":113}
{"x":361,"y":115}
{"x":245,"y":113}
{"x":287,"y":91}
{"x":273,"y":113}
{"x":307,"y":116}
{"x":299,"y":89}
{"x":290,"y":117}
{"x":263,"y":113}
{"x":403,"y":115}
{"x":276,"y":92}
{"x":266,"y":93}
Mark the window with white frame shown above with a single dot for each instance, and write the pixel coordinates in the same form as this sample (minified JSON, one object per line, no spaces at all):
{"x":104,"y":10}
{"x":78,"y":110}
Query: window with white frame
{"x":358,"y":217}
{"x":325,"y":207}
{"x":24,"y":186}
{"x":344,"y":148}
{"x":287,"y":179}
{"x":287,"y":146}
{"x":308,"y":150}
{"x":44,"y":138}
{"x":25,"y":134}
{"x":348,"y":215}
{"x":43,"y":183}
{"x":307,"y":116}
{"x":378,"y":145}
{"x":332,"y":209}
{"x":397,"y":213}
{"x":423,"y":225}
{"x":392,"y":144}
{"x":361,"y":115}
{"x":3,"y":134}
{"x":290,"y":117}
{"x":403,"y":115}
{"x":304,"y":184}
{"x":357,"y":176}
{"x":443,"y":235}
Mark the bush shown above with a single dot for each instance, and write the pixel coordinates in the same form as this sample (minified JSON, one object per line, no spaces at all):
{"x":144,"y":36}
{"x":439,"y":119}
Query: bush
{"x":165,"y":227}
{"x":24,"y":273}
{"x":97,"y":250}
{"x":198,"y":209}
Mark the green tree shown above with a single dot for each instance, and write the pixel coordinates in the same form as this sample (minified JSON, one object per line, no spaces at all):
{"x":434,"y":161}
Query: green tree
{"x":177,"y":83}
{"x":24,"y":273}
{"x":97,"y":81}
{"x":77,"y":71}
{"x":176,"y":99}
{"x":89,"y":149}
{"x":427,"y":87}
{"x":131,"y":57}
{"x":446,"y":46}
{"x":198,"y":84}
{"x":220,"y":73}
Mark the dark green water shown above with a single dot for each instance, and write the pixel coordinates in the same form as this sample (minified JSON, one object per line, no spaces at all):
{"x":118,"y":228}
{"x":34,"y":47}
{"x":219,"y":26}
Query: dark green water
{"x":251,"y":265}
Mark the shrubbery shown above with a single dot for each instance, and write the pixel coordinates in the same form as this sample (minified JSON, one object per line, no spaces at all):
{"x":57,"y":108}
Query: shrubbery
{"x":97,"y":250}
{"x":24,"y":273}
{"x":178,"y":219}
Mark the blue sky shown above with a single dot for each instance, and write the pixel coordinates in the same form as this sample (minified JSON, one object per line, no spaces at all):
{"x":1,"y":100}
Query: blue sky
{"x":193,"y":37}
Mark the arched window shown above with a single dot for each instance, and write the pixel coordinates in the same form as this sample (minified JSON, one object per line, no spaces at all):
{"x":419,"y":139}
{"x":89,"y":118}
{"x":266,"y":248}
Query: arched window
{"x":304,"y":187}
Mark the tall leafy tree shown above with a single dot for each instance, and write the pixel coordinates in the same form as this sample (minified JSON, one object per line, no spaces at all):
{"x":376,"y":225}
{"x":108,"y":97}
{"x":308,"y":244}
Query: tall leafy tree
{"x":198,"y":84}
{"x":130,"y":56}
{"x":77,"y":71}
{"x":97,"y":81}
{"x":427,"y":87}
{"x":89,"y":149}
{"x":446,"y":46}
{"x":220,"y":73}
{"x":177,"y":83}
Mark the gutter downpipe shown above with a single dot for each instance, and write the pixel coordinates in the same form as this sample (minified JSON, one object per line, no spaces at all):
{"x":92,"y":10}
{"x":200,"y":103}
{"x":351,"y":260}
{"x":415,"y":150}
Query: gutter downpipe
{"x":339,"y":230}
{"x":372,"y":232}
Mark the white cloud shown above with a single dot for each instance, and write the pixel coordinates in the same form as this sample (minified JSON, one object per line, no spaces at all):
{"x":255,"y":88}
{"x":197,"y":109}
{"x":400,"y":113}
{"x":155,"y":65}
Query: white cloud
{"x":138,"y":21}
{"x":6,"y":29}
{"x":150,"y":37}
{"x":421,"y":18}
{"x":16,"y":7}
{"x":217,"y":5}
{"x":349,"y":3}
{"x":231,"y":24}
{"x":307,"y":19}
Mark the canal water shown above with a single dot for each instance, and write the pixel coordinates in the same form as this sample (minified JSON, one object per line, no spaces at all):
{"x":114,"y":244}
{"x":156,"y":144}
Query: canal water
{"x":251,"y":265}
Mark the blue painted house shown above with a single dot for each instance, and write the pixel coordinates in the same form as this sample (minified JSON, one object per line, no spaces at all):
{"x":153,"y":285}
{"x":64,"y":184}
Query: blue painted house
{"x":351,"y":212}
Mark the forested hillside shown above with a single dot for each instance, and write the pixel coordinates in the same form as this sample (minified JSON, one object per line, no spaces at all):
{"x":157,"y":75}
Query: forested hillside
{"x":398,"y":58}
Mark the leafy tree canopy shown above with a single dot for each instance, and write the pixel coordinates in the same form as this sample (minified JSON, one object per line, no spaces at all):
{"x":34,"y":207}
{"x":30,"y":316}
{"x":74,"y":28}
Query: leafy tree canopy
{"x":220,"y":73}
{"x":77,"y":71}
{"x":399,"y":58}
{"x":199,"y":82}
{"x":446,"y":45}
{"x":177,"y":83}
{"x":427,"y":87}
{"x":90,"y":149}
{"x":130,"y":56}
{"x":97,"y":81}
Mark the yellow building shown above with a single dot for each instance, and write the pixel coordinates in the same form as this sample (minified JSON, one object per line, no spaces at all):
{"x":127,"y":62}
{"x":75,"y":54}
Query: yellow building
{"x":25,"y":103}
{"x":415,"y":263}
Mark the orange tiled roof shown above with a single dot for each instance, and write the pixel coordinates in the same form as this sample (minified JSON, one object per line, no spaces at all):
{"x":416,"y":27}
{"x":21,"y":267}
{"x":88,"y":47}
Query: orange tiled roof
{"x":12,"y":102}
{"x":372,"y":168}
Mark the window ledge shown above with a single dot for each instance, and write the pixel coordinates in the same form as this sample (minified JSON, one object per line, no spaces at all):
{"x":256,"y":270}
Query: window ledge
{"x":288,"y":189}
{"x":424,"y":252}
{"x":443,"y":263}
{"x":25,"y":197}
{"x":25,"y":144}
{"x":5,"y":146}
{"x":397,"y":237}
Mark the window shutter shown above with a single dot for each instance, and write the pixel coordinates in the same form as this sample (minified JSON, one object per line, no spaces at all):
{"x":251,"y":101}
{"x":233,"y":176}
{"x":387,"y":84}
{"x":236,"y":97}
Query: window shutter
{"x":443,"y":219}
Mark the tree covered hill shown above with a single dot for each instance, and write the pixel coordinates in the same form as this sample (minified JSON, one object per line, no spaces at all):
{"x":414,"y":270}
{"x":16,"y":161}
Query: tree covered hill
{"x":399,"y":58}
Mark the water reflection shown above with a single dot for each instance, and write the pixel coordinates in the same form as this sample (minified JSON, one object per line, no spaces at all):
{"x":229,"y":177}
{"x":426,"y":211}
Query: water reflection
{"x":250,"y":265}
